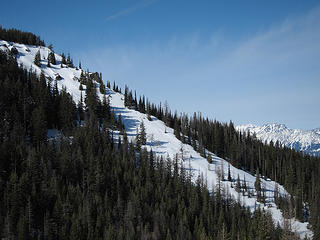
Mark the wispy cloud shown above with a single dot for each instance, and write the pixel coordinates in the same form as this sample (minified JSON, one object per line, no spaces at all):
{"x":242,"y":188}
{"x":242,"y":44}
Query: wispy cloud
{"x":272,"y":76}
{"x":126,"y":11}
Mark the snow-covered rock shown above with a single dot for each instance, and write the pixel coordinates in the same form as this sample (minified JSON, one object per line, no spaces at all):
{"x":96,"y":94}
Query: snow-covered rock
{"x":307,"y":141}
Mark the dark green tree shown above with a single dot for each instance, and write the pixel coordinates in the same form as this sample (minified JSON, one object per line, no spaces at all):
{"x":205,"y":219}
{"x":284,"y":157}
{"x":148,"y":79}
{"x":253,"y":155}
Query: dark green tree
{"x":229,"y":174}
{"x":141,"y":138}
{"x":37,"y":59}
{"x":257,"y":185}
{"x":39,"y":125}
{"x":63,"y":59}
{"x":52,"y":58}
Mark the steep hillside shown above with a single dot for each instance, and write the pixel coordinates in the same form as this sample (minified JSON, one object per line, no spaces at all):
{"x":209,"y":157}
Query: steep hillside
{"x":307,"y":141}
{"x":162,"y":141}
{"x":66,"y":76}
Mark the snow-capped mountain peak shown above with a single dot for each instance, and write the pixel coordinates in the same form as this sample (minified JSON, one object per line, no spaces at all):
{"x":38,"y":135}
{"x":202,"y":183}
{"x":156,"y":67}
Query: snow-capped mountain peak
{"x":274,"y":127}
{"x":307,"y":141}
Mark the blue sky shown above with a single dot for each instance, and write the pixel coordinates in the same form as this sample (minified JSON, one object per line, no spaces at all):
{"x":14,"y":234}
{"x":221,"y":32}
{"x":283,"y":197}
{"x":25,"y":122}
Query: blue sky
{"x":245,"y":61}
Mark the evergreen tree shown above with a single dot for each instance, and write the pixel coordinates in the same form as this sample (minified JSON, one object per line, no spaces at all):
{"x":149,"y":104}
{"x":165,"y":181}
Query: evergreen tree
{"x":238,"y":184}
{"x":209,"y":159}
{"x":69,"y":61}
{"x":148,"y":111}
{"x":63,"y":59}
{"x":102,"y":88}
{"x":141,"y":138}
{"x":229,"y":174}
{"x":52,"y":58}
{"x":257,"y":185}
{"x":37,"y":59}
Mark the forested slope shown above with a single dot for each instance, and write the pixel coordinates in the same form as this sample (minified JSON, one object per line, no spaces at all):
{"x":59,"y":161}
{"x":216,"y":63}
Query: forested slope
{"x":101,"y":178}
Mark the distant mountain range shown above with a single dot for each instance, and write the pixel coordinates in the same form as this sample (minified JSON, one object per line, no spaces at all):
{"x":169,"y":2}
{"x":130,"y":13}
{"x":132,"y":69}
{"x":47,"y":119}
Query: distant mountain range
{"x":307,"y":141}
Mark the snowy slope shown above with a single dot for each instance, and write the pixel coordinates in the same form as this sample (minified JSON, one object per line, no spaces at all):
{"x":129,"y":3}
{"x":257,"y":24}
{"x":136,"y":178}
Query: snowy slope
{"x":162,"y":140}
{"x":300,"y":140}
{"x":25,"y":58}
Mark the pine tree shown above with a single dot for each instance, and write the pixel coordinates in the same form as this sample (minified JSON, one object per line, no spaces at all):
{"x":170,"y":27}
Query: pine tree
{"x":257,"y":185}
{"x":63,"y":59}
{"x":102,"y":88}
{"x":141,"y":138}
{"x":148,"y":111}
{"x":229,"y":174}
{"x":52,"y":58}
{"x":69,"y":61}
{"x":209,"y":159}
{"x":238,"y":185}
{"x":244,"y":183}
{"x":37,"y":59}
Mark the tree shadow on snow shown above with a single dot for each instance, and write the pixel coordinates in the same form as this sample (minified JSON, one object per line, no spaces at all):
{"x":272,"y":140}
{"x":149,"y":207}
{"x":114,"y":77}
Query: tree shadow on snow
{"x":130,"y":123}
{"x":109,"y":92}
{"x":156,"y":143}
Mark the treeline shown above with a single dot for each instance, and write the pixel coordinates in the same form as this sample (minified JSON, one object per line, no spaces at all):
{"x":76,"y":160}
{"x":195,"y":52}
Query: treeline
{"x":299,"y":173}
{"x":15,"y":35}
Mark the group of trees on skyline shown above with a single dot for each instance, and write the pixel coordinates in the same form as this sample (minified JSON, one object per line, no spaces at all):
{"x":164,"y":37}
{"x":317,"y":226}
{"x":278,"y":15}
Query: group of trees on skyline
{"x":15,"y":35}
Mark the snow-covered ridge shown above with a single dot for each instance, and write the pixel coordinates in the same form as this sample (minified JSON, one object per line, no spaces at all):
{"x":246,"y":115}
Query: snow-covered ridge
{"x":307,"y":141}
{"x":161,"y":139}
{"x":68,"y":76}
